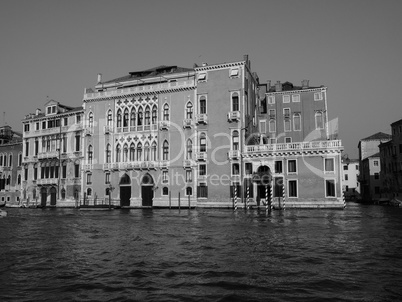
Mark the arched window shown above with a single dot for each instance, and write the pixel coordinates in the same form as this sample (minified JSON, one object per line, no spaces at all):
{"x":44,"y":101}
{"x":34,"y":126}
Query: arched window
{"x":189,"y":149}
{"x":119,"y":118}
{"x":153,"y":151}
{"x":189,"y":110}
{"x":139,"y":151}
{"x":235,"y":138}
{"x":109,"y":118}
{"x":19,"y":159}
{"x":108,"y":156}
{"x":165,"y":150}
{"x":203,"y":105}
{"x":235,"y":101}
{"x":154,"y":115}
{"x":63,"y":193}
{"x":319,"y":121}
{"x":118,"y":153}
{"x":166,"y":112}
{"x":89,"y":192}
{"x":125,"y":118}
{"x":296,"y":122}
{"x":19,"y":179}
{"x":132,"y":118}
{"x":147,"y":116}
{"x":189,"y":191}
{"x":90,"y":120}
{"x":272,"y":125}
{"x":132,"y":152}
{"x":10,"y":160}
{"x":140,"y":116}
{"x":89,"y":154}
{"x":146,"y":151}
{"x":165,"y":191}
{"x":125,"y":153}
{"x":203,"y":143}
{"x":9,"y":180}
{"x":1,"y":160}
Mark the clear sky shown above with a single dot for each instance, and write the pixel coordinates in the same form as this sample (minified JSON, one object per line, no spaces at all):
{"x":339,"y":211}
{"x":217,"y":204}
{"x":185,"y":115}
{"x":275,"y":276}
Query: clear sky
{"x":56,"y":48}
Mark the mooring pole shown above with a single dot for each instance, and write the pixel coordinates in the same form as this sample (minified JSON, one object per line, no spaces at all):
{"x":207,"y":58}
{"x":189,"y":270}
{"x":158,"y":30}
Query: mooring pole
{"x":179,"y":200}
{"x":170,"y":200}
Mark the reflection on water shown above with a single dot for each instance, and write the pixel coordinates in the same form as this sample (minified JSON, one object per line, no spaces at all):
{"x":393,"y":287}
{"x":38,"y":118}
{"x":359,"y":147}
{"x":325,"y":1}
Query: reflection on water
{"x":201,"y":255}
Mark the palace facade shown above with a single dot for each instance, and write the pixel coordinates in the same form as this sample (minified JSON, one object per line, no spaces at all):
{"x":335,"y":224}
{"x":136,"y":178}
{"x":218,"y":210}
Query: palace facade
{"x":208,"y":136}
{"x":52,"y":155}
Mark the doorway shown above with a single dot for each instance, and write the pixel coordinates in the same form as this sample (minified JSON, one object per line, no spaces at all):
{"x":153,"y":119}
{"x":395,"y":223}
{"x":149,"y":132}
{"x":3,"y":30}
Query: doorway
{"x":147,"y":190}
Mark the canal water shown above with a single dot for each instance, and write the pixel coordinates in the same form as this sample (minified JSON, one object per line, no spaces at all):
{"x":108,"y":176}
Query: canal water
{"x":202,"y":255}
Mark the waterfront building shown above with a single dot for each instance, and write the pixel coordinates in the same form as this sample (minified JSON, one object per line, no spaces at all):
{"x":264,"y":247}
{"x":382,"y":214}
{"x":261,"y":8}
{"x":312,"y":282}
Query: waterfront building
{"x":171,"y":136}
{"x":370,"y":178}
{"x":10,"y":166}
{"x":369,"y":146}
{"x":351,"y":171}
{"x":52,"y":155}
{"x":391,"y":163}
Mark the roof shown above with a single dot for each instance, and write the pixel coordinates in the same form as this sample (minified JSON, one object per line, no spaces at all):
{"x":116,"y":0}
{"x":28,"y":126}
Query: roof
{"x":377,"y":136}
{"x":149,"y":73}
{"x":397,"y":122}
{"x":375,"y":155}
{"x":288,"y":86}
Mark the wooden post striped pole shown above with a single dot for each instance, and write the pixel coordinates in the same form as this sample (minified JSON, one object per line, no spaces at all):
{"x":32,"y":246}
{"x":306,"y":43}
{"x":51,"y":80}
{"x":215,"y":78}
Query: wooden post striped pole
{"x":344,"y":200}
{"x":235,"y":197}
{"x":266,"y":197}
{"x":283,"y":196}
{"x":271,"y":196}
{"x":248,"y":197}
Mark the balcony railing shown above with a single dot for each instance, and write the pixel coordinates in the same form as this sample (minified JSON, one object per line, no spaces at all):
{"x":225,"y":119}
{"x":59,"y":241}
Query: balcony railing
{"x":234,"y":116}
{"x":187,"y":123}
{"x":107,"y":129}
{"x":234,"y":154}
{"x":300,"y":146}
{"x":47,"y":181}
{"x":164,"y":125}
{"x":87,"y":167}
{"x":50,"y":154}
{"x":187,"y":163}
{"x":88,"y":131}
{"x":164,"y":164}
{"x":201,"y":156}
{"x":201,"y":119}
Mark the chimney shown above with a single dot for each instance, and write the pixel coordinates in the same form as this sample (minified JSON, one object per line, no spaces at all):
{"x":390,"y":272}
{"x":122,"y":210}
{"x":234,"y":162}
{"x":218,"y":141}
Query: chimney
{"x":99,"y":77}
{"x":204,"y":64}
{"x":38,"y":111}
{"x":268,"y":85}
{"x":305,"y":84}
{"x":278,"y":86}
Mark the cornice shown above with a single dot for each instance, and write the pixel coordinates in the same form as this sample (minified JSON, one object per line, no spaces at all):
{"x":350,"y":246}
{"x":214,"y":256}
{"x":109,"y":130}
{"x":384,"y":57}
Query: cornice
{"x":52,"y":117}
{"x":218,"y":66}
{"x":297,"y":91}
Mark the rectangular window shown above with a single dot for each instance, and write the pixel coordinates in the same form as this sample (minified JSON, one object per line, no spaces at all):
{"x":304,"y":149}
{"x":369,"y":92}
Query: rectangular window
{"x":292,"y":166}
{"x":43,"y":125}
{"x":376,"y":176}
{"x":287,"y":125}
{"x":346,"y":177}
{"x":77,"y":142}
{"x":376,"y":190}
{"x":26,"y":127}
{"x":202,"y":191}
{"x":317,"y":96}
{"x":345,"y":167}
{"x":292,"y":187}
{"x":64,"y":172}
{"x":272,"y":140}
{"x":234,"y":72}
{"x":286,"y":98}
{"x":278,"y":166}
{"x":330,"y":188}
{"x":272,"y":113}
{"x":263,"y":126}
{"x":288,"y":140}
{"x":296,"y":98}
{"x":37,"y":126}
{"x":26,"y":174}
{"x":272,"y":125}
{"x":376,"y":163}
{"x":296,"y":122}
{"x":76,"y":170}
{"x":107,"y":178}
{"x":249,"y":168}
{"x":235,"y":169}
{"x":26,"y":149}
{"x":89,"y":179}
{"x":189,"y":175}
{"x":78,"y":118}
{"x":202,"y":170}
{"x":202,"y":77}
{"x":165,"y":177}
{"x":329,"y":165}
{"x":286,"y":112}
{"x":49,"y":110}
{"x":65,"y":121}
{"x":271,"y":99}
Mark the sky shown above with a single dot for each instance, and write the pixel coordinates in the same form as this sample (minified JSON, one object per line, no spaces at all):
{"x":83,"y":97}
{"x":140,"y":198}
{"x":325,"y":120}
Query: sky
{"x":55,"y":49}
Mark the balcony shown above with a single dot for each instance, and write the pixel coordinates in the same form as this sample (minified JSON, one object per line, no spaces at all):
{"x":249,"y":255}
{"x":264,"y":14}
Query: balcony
{"x":47,"y":181}
{"x":188,"y":123}
{"x":164,"y":125}
{"x":234,"y":116}
{"x":108,"y":166}
{"x":107,"y":129}
{"x":88,"y":131}
{"x":87,"y":167}
{"x":125,"y":166}
{"x":234,"y":154}
{"x":201,"y":156}
{"x":164,"y":164}
{"x":202,"y":177}
{"x":201,"y":119}
{"x":188,"y":163}
{"x":314,"y":146}
{"x":50,"y":154}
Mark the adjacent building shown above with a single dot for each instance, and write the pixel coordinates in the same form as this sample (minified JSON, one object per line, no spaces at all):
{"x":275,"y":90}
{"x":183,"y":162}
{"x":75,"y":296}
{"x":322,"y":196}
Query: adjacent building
{"x":10,"y":166}
{"x":208,"y":136}
{"x":52,"y":155}
{"x":351,"y":172}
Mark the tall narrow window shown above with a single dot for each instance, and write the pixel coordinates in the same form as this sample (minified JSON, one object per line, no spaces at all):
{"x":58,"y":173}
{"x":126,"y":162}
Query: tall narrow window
{"x":139,"y":151}
{"x":77,"y":141}
{"x":146,"y":151}
{"x":90,"y":120}
{"x":287,"y":125}
{"x":297,"y":122}
{"x":292,"y":187}
{"x":203,"y":105}
{"x":166,"y":112}
{"x":189,"y":110}
{"x":125,"y":118}
{"x":108,"y":154}
{"x":189,"y":149}
{"x":203,"y":143}
{"x":165,"y":150}
{"x":272,"y":125}
{"x":133,"y":115}
{"x":90,"y":154}
{"x":132,"y":152}
{"x":319,"y":122}
{"x":147,"y":116}
{"x":125,"y":153}
{"x":330,"y":188}
{"x":235,"y":101}
{"x":109,"y":118}
{"x":235,"y":138}
{"x":118,"y":153}
{"x":153,"y":151}
{"x":118,"y":118}
{"x":140,"y":117}
{"x":26,"y":149}
{"x":154,"y":115}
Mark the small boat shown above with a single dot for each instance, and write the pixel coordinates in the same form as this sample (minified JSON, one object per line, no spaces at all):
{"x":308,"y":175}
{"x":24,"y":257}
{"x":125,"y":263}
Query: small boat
{"x":3,"y":213}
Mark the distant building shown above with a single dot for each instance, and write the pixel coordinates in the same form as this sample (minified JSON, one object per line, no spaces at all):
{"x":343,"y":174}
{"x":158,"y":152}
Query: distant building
{"x":391,"y":163}
{"x":10,"y":166}
{"x":370,"y":178}
{"x":351,"y":171}
{"x":368,"y":147}
{"x":52,"y":154}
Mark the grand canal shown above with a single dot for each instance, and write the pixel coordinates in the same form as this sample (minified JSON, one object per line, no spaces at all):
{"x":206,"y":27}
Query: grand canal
{"x":202,"y":255}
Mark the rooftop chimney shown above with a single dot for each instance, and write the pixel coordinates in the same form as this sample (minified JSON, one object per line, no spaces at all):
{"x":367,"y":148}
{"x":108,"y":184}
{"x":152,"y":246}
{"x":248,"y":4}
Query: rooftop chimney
{"x":278,"y":86}
{"x":305,"y":84}
{"x":204,"y":64}
{"x":99,"y":77}
{"x":38,"y":111}
{"x":268,"y":85}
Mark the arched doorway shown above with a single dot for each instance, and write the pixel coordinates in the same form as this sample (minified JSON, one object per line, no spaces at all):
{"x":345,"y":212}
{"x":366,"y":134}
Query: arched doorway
{"x":263,"y":179}
{"x":125,"y":190}
{"x":147,"y":192}
{"x":53,"y":196}
{"x":43,"y":196}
